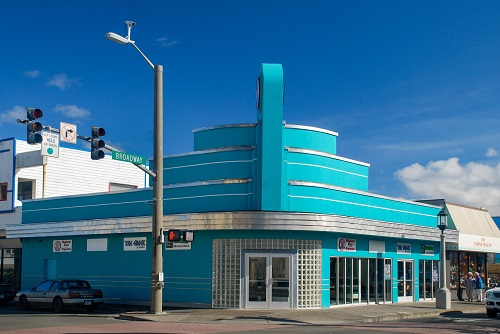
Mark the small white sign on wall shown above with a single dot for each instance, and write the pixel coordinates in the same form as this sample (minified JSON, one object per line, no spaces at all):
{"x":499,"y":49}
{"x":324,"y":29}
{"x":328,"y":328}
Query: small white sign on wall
{"x":427,"y":250}
{"x":97,"y":245}
{"x":59,"y":246}
{"x":134,"y":244}
{"x":403,"y":248}
{"x":376,"y":246}
{"x":346,"y":245}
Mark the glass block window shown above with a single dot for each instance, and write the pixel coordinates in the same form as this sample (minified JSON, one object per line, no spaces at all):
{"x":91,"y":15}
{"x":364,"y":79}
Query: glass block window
{"x":226,"y":269}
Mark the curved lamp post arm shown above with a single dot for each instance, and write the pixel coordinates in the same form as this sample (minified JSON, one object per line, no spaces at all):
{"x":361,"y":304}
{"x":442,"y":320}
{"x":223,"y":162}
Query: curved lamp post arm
{"x":143,"y":55}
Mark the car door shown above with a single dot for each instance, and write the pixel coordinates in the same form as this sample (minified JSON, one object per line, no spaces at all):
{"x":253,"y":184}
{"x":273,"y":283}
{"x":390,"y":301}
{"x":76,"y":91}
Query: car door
{"x":38,"y":295}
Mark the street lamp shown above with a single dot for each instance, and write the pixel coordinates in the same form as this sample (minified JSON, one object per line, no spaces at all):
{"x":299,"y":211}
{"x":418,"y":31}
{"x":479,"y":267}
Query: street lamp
{"x":157,"y":228}
{"x":443,"y":295}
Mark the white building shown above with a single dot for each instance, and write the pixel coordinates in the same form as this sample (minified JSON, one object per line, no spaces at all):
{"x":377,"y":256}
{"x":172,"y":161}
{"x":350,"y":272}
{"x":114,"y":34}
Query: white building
{"x":25,"y":175}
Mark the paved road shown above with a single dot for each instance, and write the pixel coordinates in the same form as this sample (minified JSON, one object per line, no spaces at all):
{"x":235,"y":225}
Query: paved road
{"x":422,"y":318}
{"x":48,"y":323}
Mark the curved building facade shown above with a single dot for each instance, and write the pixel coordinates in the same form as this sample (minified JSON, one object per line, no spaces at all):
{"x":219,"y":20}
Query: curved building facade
{"x":279,"y":219}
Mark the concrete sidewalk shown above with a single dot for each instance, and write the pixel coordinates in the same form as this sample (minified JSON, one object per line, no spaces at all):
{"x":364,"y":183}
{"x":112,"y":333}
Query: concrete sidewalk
{"x":331,"y":316}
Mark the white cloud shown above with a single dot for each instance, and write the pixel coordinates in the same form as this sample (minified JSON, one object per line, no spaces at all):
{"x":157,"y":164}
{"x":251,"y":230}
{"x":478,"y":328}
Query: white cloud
{"x":32,"y":74}
{"x":61,"y":81}
{"x":491,"y":152}
{"x":72,"y":111}
{"x":11,"y":116}
{"x":166,"y":42}
{"x":473,"y":184}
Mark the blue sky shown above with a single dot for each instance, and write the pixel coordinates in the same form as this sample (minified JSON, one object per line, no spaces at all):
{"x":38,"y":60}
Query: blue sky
{"x":412,"y":87}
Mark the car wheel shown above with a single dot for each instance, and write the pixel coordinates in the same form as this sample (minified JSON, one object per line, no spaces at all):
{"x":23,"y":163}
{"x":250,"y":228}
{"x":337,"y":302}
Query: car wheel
{"x":58,"y":305}
{"x":23,"y":303}
{"x":491,"y":313}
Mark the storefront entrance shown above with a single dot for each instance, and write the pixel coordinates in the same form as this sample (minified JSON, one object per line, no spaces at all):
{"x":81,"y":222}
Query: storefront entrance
{"x":405,"y":281}
{"x":360,"y":280}
{"x":268,"y":280}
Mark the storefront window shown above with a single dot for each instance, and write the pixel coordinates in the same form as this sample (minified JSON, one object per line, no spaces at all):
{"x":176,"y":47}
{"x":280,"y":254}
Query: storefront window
{"x":360,"y":280}
{"x":453,"y":269}
{"x":10,"y":266}
{"x":472,"y":262}
{"x":428,"y":277}
{"x":464,"y":264}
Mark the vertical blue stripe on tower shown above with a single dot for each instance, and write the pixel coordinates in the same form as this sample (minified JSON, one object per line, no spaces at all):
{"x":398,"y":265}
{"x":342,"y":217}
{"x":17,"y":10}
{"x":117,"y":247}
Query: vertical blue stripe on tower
{"x":270,"y":137}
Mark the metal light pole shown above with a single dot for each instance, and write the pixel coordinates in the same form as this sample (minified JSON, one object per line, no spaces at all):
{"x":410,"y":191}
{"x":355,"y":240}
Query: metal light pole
{"x":443,"y":295}
{"x":157,"y":255}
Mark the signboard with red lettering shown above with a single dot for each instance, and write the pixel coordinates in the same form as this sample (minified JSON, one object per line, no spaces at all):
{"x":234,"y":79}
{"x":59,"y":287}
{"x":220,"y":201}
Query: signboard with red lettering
{"x":59,"y":246}
{"x":346,"y":245}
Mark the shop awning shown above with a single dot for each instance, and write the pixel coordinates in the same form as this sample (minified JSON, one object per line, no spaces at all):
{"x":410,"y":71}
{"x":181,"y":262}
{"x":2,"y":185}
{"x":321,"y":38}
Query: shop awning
{"x":477,"y":230}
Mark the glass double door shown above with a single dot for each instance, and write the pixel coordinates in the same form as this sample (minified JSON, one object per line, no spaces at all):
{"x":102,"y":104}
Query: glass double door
{"x":268,"y":280}
{"x":405,"y":281}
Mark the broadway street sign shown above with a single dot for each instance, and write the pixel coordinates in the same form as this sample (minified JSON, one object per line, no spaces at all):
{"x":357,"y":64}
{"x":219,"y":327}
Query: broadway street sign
{"x":135,"y":159}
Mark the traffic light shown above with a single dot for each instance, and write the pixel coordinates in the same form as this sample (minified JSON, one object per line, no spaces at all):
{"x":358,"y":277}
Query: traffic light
{"x":174,"y":235}
{"x":32,"y":127}
{"x":96,"y":144}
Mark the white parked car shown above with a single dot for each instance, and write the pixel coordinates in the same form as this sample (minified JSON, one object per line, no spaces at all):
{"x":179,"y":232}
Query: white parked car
{"x":60,"y":294}
{"x":492,"y":301}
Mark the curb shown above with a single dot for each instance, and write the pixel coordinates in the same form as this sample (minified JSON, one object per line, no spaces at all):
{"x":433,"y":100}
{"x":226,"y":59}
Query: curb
{"x":176,"y":318}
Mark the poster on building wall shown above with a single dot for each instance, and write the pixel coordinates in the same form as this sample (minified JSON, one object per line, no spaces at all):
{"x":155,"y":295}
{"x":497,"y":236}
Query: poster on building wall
{"x":403,"y":248}
{"x":134,"y":244}
{"x":346,"y":245}
{"x":427,"y":250}
{"x":59,"y":246}
{"x":387,"y":272}
{"x":435,"y":275}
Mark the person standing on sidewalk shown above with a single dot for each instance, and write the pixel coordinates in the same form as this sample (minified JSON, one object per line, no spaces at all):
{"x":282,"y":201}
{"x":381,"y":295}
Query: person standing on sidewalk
{"x":470,"y":285}
{"x":479,"y":287}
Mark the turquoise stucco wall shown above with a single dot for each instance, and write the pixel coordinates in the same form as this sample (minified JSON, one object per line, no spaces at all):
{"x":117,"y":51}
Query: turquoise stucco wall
{"x":123,"y":274}
{"x":271,"y":182}
{"x":188,"y":273}
{"x":225,"y":136}
{"x":212,"y":165}
{"x":310,"y":167}
{"x":304,"y":198}
{"x":310,"y":139}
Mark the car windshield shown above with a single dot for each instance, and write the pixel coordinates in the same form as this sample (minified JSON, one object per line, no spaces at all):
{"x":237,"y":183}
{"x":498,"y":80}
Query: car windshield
{"x":44,"y":286}
{"x":75,"y":285}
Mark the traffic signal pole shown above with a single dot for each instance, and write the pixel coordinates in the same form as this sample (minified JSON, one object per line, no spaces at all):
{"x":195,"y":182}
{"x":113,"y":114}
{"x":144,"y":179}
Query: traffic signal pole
{"x":157,"y":265}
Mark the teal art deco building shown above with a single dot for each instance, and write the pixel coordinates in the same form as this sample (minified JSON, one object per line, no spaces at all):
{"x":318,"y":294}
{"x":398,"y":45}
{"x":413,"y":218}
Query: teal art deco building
{"x":279,"y":220}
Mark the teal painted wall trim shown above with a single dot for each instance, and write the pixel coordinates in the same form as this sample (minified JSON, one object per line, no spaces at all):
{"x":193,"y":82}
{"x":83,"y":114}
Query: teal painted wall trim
{"x":310,"y":197}
{"x":224,"y":136}
{"x":310,"y":138}
{"x":270,"y":136}
{"x":312,"y":166}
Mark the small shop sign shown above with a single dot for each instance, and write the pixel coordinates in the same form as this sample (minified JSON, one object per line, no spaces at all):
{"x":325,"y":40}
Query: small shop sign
{"x":346,"y":245}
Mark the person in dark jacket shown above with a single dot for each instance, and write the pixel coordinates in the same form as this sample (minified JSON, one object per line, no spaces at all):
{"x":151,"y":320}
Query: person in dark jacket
{"x":470,"y":285}
{"x":479,"y":287}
